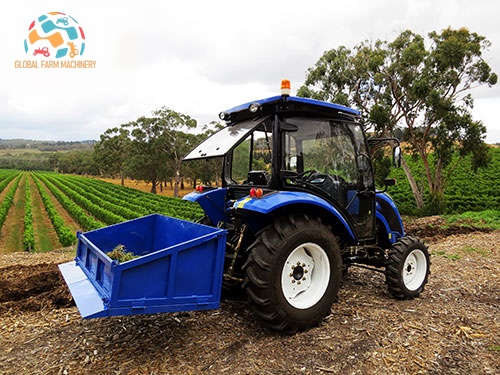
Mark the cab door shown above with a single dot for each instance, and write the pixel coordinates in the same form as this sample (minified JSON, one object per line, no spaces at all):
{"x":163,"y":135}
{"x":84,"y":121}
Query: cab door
{"x":336,"y":154}
{"x":361,"y":194}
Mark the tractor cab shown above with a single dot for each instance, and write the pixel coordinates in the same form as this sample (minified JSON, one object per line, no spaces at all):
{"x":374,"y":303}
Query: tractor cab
{"x":290,"y":144}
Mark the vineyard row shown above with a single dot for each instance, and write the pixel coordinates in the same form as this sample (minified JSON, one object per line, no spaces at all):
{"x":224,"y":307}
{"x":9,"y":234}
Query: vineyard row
{"x":89,"y":202}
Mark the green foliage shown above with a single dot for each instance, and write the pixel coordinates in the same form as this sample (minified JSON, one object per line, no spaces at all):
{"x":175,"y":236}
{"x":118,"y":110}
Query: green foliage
{"x":86,"y":199}
{"x":418,"y":84}
{"x":28,"y":234}
{"x":121,"y":254}
{"x":466,"y":189}
{"x":158,"y":144}
{"x":65,"y":235}
{"x":488,"y":219}
{"x":8,"y":200}
{"x":86,"y":221}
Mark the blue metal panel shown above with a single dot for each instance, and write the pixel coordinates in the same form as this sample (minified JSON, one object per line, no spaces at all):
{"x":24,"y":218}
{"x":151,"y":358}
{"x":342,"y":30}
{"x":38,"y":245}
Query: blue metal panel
{"x":213,"y":202}
{"x":393,"y":236}
{"x":295,"y":99}
{"x":179,"y":269}
{"x":271,"y":202}
{"x":387,"y":208}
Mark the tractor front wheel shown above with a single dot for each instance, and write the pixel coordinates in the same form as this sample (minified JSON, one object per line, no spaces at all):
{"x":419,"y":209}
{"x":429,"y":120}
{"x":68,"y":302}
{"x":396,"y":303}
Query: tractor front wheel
{"x":407,"y":268}
{"x":293,"y":273}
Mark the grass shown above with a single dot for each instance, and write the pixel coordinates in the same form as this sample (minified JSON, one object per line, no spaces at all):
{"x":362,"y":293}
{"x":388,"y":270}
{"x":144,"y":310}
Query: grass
{"x":444,"y":254}
{"x":472,"y":250}
{"x":489,"y":219}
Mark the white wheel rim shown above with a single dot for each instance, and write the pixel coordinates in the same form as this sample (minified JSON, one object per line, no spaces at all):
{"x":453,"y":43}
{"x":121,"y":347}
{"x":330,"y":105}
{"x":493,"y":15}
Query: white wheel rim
{"x":414,"y":270}
{"x":305,"y":275}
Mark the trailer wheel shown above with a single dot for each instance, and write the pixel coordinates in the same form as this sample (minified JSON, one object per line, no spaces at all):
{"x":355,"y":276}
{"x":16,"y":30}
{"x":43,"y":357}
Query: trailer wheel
{"x":407,"y":268}
{"x":293,"y":273}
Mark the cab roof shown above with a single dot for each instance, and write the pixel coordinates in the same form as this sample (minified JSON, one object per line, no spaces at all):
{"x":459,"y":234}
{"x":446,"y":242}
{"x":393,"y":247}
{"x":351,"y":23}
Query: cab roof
{"x":282,"y":104}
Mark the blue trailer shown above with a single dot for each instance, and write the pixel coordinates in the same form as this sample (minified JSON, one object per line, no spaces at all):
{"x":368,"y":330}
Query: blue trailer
{"x":178,"y":268}
{"x":297,"y":208}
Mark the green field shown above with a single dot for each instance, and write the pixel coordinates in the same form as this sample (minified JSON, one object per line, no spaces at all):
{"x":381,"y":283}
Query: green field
{"x":41,"y":211}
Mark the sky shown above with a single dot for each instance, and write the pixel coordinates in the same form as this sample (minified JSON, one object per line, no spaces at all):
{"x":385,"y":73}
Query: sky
{"x":202,"y":57}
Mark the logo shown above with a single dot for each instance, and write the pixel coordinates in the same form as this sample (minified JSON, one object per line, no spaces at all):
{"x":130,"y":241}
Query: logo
{"x":55,"y":40}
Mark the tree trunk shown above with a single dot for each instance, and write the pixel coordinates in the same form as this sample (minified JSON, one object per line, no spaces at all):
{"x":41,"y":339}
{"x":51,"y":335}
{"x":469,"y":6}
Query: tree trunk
{"x":437,"y":191}
{"x":153,"y":186}
{"x":417,"y":194}
{"x":176,"y":183}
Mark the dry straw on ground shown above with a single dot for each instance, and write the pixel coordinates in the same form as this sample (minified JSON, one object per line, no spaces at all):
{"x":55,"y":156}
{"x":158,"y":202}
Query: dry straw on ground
{"x":453,"y":328}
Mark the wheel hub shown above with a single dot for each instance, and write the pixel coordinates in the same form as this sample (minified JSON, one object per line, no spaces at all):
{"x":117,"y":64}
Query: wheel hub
{"x":298,"y":272}
{"x":298,"y":281}
{"x":305,"y":276}
{"x":415,"y":269}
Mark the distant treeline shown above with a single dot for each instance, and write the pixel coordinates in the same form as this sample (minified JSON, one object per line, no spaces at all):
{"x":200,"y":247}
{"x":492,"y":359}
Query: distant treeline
{"x":27,"y":154}
{"x":45,"y":145}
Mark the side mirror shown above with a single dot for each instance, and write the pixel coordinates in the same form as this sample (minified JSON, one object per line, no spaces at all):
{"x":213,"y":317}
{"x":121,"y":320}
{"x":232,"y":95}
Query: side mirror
{"x":396,"y":156}
{"x":389,"y":182}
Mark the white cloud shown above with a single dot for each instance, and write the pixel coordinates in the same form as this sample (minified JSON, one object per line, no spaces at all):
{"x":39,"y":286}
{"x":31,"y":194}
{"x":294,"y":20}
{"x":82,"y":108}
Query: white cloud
{"x":201,"y":57}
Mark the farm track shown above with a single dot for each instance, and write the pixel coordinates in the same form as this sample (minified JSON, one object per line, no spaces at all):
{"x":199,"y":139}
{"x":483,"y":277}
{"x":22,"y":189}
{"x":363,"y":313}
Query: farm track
{"x":45,"y":235}
{"x":11,"y":234}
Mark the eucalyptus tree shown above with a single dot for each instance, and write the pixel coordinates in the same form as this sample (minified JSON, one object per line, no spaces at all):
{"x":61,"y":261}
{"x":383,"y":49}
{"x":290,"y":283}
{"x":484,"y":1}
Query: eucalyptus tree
{"x":112,"y":150}
{"x":176,"y":140}
{"x":416,"y":84}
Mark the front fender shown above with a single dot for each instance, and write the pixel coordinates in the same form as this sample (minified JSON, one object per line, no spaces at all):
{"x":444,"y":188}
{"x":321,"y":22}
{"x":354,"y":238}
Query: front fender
{"x":387,"y":213}
{"x":272,"y":202}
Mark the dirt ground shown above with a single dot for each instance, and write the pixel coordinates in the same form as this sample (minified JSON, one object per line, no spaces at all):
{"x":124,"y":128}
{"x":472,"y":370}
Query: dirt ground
{"x":453,"y":328}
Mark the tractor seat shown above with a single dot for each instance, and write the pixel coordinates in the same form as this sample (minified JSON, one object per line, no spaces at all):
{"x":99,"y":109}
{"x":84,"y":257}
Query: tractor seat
{"x":334,"y":186}
{"x":257,"y":178}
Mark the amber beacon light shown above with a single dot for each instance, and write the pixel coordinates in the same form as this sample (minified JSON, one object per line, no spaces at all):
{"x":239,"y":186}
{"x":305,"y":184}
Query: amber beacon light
{"x":285,"y":87}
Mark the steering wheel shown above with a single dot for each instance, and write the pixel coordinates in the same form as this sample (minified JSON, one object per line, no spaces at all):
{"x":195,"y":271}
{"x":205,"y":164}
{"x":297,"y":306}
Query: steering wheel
{"x":307,"y":175}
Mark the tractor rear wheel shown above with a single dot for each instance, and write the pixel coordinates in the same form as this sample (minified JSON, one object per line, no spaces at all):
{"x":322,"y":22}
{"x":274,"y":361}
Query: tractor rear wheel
{"x":407,"y":268}
{"x":293,"y":273}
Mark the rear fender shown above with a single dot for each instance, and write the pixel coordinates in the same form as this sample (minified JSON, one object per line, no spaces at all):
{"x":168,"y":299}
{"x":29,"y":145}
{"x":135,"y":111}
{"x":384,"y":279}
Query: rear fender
{"x":213,"y":202}
{"x":291,"y":201}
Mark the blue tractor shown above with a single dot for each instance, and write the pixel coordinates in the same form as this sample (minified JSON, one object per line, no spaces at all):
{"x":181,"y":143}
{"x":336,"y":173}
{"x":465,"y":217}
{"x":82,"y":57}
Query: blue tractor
{"x":297,"y":207}
{"x":299,"y":202}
